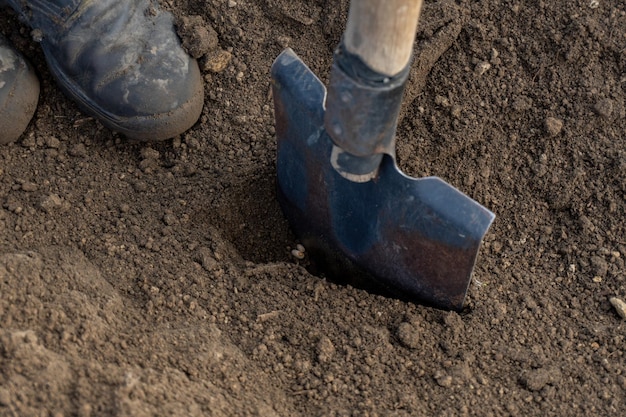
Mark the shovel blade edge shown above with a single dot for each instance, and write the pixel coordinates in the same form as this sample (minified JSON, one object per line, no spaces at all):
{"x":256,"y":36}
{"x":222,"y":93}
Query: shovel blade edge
{"x":415,"y":239}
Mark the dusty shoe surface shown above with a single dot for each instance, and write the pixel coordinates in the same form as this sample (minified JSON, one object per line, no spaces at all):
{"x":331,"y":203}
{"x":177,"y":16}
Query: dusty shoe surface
{"x":122,"y":62}
{"x":19,"y":93}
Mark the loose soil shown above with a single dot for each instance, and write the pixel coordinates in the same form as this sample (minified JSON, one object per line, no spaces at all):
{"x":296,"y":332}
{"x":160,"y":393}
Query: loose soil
{"x":141,"y":279}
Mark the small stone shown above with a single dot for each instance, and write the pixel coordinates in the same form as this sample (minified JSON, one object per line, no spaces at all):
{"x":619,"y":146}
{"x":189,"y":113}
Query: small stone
{"x":599,"y":265}
{"x":30,"y":337}
{"x":51,"y":203}
{"x":29,"y":142}
{"x":189,"y":170}
{"x":481,"y":68}
{"x":443,"y":380}
{"x":604,"y":108}
{"x":217,"y":61}
{"x":495,"y":60}
{"x":148,"y":165}
{"x":205,"y":257}
{"x":78,"y":151}
{"x":619,"y":305}
{"x":325,"y":350}
{"x":455,"y":111}
{"x":283,"y":41}
{"x":169,"y":219}
{"x":29,"y":186}
{"x":149,"y":153}
{"x":553,"y":126}
{"x":442,"y":101}
{"x":408,"y":335}
{"x":52,"y":142}
{"x":140,"y":186}
{"x":37,"y":35}
{"x":586,"y":224}
{"x":522,"y":103}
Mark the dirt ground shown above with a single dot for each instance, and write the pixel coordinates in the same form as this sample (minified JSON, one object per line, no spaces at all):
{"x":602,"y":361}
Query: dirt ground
{"x":141,"y":279}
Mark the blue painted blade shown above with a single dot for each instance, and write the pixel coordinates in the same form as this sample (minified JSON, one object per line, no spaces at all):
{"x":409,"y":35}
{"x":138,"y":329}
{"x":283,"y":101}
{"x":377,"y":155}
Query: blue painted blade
{"x":417,"y":239}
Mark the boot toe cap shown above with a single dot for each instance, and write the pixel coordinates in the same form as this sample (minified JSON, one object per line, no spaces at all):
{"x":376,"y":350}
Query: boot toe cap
{"x":19,"y":94}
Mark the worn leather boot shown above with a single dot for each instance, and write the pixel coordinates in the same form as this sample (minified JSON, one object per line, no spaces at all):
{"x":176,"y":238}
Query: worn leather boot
{"x":19,"y":93}
{"x":121,"y":61}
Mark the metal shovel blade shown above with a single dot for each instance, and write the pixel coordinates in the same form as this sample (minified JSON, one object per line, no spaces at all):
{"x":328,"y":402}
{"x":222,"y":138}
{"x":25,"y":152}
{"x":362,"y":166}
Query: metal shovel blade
{"x":416,"y":239}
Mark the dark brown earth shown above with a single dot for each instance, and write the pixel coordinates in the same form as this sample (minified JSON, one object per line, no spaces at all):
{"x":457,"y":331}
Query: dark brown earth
{"x":142,"y":279}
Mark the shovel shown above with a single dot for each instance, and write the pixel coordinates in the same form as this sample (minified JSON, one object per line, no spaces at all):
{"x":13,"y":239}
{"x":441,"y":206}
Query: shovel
{"x":361,"y":220}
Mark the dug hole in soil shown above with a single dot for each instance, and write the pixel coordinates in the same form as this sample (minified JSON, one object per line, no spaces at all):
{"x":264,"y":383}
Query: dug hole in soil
{"x":141,"y":279}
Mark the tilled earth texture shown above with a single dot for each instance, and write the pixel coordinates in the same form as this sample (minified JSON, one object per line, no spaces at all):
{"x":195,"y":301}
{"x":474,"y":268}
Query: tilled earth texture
{"x":147,"y":279}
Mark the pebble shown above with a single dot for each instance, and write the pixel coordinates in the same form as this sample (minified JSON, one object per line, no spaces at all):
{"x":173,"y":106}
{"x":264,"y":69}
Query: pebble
{"x":619,"y":305}
{"x":149,"y":153}
{"x":79,"y":150}
{"x":408,"y":335}
{"x":522,"y":103}
{"x":283,"y":41}
{"x":495,"y":60}
{"x":51,"y":202}
{"x":29,"y":186}
{"x":325,"y":350}
{"x":442,"y":101}
{"x":604,"y":108}
{"x":206,"y":258}
{"x":217,"y":61}
{"x":140,"y":186}
{"x":455,"y":111}
{"x":481,"y":68}
{"x":599,"y":265}
{"x":169,"y":219}
{"x":553,"y":126}
{"x":37,"y":35}
{"x":52,"y":142}
{"x":443,"y":380}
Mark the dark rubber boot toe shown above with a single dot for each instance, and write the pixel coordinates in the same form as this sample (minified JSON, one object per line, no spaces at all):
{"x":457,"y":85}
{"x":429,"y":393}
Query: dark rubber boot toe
{"x":19,"y":93}
{"x":121,"y":61}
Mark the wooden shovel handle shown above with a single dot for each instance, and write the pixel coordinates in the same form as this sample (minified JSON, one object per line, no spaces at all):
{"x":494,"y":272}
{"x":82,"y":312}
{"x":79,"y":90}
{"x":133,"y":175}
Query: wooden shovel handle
{"x":382,"y":32}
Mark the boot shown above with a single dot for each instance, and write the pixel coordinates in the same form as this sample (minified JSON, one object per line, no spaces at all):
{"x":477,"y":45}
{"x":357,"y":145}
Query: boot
{"x":19,"y":93}
{"x":121,"y":61}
